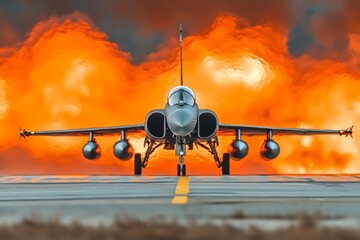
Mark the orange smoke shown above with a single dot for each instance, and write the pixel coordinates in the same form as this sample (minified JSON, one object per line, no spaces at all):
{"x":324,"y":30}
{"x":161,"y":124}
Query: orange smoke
{"x":67,"y":75}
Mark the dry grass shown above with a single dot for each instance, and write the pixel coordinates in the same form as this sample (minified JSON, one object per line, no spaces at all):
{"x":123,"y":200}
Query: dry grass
{"x":291,"y":216}
{"x":37,"y":229}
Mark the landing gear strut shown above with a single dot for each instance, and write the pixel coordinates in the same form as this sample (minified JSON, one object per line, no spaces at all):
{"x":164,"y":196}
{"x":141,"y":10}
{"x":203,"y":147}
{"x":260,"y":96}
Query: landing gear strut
{"x":211,"y":147}
{"x":138,"y":163}
{"x":181,"y":152}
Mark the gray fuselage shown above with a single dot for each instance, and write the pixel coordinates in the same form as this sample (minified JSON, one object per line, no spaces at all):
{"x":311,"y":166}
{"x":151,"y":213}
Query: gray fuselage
{"x":181,"y":111}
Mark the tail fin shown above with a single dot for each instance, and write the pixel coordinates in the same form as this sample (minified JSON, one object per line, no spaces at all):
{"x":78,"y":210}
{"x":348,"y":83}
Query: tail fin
{"x":181,"y":67}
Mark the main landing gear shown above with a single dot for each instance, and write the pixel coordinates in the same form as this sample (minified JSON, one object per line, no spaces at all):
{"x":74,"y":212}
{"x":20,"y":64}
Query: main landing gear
{"x":140,"y":164}
{"x":225,"y":164}
{"x":137,"y":164}
{"x":211,"y":147}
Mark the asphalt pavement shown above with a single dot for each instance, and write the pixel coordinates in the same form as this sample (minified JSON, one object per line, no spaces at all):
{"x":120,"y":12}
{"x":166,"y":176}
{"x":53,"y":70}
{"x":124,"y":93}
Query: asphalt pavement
{"x":100,"y":199}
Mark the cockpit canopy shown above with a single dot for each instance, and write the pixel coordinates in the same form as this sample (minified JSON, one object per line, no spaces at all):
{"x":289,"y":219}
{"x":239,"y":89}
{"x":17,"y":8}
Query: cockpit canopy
{"x":181,"y":95}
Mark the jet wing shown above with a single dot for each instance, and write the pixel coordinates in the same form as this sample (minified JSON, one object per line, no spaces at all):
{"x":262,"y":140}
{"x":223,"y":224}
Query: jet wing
{"x":225,"y":129}
{"x":84,"y":131}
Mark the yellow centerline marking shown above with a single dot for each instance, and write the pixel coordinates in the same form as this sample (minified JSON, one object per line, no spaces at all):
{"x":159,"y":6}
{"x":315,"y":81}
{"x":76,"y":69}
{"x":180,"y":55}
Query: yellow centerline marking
{"x":182,"y":186}
{"x":181,"y":191}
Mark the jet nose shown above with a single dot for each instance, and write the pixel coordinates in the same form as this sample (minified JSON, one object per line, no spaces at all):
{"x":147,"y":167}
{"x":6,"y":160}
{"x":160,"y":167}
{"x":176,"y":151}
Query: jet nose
{"x":182,"y":121}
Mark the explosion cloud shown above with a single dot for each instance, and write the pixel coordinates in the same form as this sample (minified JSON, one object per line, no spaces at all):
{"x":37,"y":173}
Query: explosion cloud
{"x":67,"y":74}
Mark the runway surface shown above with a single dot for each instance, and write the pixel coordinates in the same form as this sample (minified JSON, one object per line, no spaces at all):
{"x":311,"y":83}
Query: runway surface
{"x":98,"y":199}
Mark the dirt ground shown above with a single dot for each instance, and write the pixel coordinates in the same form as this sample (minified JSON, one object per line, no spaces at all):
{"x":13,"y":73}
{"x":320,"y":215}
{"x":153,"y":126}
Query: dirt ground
{"x":37,"y":229}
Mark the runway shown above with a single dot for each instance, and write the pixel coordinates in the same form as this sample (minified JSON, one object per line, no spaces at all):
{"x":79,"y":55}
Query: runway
{"x":98,"y":199}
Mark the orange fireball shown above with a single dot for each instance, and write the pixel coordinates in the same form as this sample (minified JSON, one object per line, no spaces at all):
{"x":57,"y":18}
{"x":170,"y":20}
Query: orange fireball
{"x":67,"y":74}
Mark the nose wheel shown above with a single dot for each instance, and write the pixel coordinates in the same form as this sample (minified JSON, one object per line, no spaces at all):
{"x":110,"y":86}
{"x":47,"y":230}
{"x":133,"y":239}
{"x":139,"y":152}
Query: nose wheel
{"x":181,"y":167}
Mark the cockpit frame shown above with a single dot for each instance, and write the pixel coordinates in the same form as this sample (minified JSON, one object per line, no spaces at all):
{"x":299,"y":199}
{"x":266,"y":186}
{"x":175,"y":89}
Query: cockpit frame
{"x":181,"y":95}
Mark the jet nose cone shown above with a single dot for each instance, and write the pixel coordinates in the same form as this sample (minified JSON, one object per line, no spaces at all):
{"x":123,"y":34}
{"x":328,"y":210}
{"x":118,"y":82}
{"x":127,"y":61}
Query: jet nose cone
{"x":182,"y":121}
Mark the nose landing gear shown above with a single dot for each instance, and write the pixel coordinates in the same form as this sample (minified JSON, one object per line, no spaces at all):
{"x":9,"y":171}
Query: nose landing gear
{"x":181,"y":167}
{"x":181,"y":152}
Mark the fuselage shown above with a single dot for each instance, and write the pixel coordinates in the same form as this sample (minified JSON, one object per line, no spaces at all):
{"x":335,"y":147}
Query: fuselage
{"x":181,"y":111}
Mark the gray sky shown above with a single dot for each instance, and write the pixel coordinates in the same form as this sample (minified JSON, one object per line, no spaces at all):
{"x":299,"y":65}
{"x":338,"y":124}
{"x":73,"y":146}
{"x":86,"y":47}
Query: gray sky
{"x":141,"y":26}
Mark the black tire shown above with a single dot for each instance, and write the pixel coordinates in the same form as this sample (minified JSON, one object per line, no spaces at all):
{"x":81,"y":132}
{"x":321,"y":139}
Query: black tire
{"x":137,"y":164}
{"x":178,"y":170}
{"x":225,"y":166}
{"x":183,"y":172}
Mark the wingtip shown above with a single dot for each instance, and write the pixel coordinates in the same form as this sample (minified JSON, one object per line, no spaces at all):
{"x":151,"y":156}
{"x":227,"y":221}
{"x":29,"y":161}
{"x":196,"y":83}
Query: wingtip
{"x":23,"y":133}
{"x":347,"y":132}
{"x":351,"y":131}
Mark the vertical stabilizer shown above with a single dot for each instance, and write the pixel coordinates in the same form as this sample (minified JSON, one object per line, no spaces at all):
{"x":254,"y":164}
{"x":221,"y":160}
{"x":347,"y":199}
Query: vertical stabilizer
{"x":181,"y":67}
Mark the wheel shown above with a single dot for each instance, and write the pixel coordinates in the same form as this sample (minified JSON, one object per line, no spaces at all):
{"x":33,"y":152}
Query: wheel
{"x":178,"y":169}
{"x":137,"y":164}
{"x":225,"y":166}
{"x":183,"y":170}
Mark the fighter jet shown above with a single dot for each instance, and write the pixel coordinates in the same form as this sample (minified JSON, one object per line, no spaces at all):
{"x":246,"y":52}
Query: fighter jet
{"x":180,"y":126}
